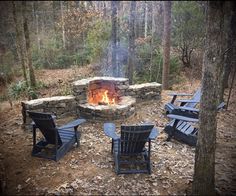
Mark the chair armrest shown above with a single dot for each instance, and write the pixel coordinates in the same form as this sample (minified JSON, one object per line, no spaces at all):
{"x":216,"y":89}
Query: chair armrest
{"x":109,"y":130}
{"x":183,"y":118}
{"x":188,"y":109}
{"x":32,"y":123}
{"x":188,"y":101}
{"x":54,"y":116}
{"x":179,"y":94}
{"x":154,"y":133}
{"x":72,"y":124}
{"x":221,"y":106}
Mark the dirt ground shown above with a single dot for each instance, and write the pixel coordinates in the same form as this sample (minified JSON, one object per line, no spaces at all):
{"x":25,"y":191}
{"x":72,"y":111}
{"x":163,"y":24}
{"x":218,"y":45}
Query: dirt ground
{"x":89,"y":169}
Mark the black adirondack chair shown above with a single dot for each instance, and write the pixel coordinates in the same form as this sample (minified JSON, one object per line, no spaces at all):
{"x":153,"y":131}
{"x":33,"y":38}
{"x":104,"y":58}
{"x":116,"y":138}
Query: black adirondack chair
{"x":185,"y":104}
{"x":57,"y":141}
{"x":182,"y":127}
{"x":130,"y":154}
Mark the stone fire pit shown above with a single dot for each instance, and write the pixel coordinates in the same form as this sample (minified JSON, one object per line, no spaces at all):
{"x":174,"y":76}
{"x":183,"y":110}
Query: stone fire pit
{"x":115,"y":88}
{"x":96,"y":98}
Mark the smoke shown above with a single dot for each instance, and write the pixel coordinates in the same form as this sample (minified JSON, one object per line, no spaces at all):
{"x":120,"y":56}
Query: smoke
{"x":105,"y":63}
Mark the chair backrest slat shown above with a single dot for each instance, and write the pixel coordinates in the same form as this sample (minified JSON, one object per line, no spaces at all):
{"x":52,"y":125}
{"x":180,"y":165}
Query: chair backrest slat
{"x":134,"y":137}
{"x":196,"y":97}
{"x":46,"y":125}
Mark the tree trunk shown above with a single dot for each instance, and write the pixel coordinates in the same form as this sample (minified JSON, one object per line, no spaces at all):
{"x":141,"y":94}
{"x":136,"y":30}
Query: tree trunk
{"x":34,"y":14}
{"x":63,"y":25}
{"x":114,"y":36}
{"x":152,"y":34}
{"x":19,"y":37}
{"x":166,"y":44}
{"x":230,"y":40}
{"x":27,"y":44}
{"x":145,"y":19}
{"x":37,"y":32}
{"x":204,"y":168}
{"x":131,"y":41}
{"x":118,"y":57}
{"x":137,"y":25}
{"x":54,"y":10}
{"x":104,"y":9}
{"x":159,"y":20}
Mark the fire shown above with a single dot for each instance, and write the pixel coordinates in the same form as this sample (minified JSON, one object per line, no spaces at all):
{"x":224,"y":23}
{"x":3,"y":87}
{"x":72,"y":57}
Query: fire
{"x":102,"y":97}
{"x":106,"y":99}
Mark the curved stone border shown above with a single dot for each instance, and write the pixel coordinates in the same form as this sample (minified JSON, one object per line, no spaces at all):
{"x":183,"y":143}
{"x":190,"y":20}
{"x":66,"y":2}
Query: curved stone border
{"x":124,"y":109}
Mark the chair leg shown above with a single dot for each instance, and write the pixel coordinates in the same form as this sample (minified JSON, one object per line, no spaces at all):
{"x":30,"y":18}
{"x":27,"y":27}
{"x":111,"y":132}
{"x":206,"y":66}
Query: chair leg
{"x":117,"y":167}
{"x":172,"y":130}
{"x":112,"y":146}
{"x":77,"y":138}
{"x":170,"y":135}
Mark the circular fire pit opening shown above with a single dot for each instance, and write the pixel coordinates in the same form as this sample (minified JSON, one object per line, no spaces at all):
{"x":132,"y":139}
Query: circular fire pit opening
{"x":102,"y":92}
{"x":103,"y":98}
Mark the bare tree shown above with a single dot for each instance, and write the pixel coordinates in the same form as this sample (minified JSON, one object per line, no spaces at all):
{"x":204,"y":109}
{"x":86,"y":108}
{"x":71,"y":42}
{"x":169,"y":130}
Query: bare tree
{"x":36,"y":22}
{"x":28,"y":47}
{"x":131,"y":41}
{"x":20,"y":40}
{"x":104,"y":9}
{"x":54,"y":11}
{"x":118,"y":57}
{"x":114,"y":6}
{"x":230,"y":43}
{"x":204,"y":168}
{"x":63,"y":25}
{"x":166,"y":44}
{"x":145,"y":19}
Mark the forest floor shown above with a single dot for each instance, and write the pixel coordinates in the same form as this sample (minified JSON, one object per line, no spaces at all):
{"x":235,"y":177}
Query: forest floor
{"x":89,"y":169}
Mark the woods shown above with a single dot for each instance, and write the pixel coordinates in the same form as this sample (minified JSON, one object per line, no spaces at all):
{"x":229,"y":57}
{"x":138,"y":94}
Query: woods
{"x":77,"y":34}
{"x":103,"y":61}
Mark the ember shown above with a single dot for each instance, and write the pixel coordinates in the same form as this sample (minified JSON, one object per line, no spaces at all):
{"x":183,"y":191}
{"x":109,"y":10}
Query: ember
{"x":102,"y":93}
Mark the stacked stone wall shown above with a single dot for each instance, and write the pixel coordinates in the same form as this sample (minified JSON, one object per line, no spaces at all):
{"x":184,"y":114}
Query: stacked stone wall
{"x":145,"y":91}
{"x":59,"y":105}
{"x":77,"y":104}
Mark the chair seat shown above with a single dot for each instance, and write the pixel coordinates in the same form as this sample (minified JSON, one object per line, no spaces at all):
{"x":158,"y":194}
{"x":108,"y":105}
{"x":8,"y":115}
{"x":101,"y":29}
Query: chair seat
{"x":116,"y":147}
{"x":183,"y":132}
{"x":66,"y":135}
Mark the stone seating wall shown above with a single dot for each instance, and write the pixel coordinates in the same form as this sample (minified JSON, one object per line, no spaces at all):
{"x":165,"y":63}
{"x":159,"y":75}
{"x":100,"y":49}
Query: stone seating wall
{"x":145,"y":91}
{"x":59,"y":105}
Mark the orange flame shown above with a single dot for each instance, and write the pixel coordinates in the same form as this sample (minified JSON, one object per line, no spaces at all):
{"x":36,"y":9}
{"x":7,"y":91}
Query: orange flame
{"x":106,"y":99}
{"x":102,"y":98}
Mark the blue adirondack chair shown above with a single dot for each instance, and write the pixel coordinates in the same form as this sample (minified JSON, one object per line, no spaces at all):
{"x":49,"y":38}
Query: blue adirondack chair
{"x":130,"y":154}
{"x":185,"y":104}
{"x":182,"y":127}
{"x":57,"y":141}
